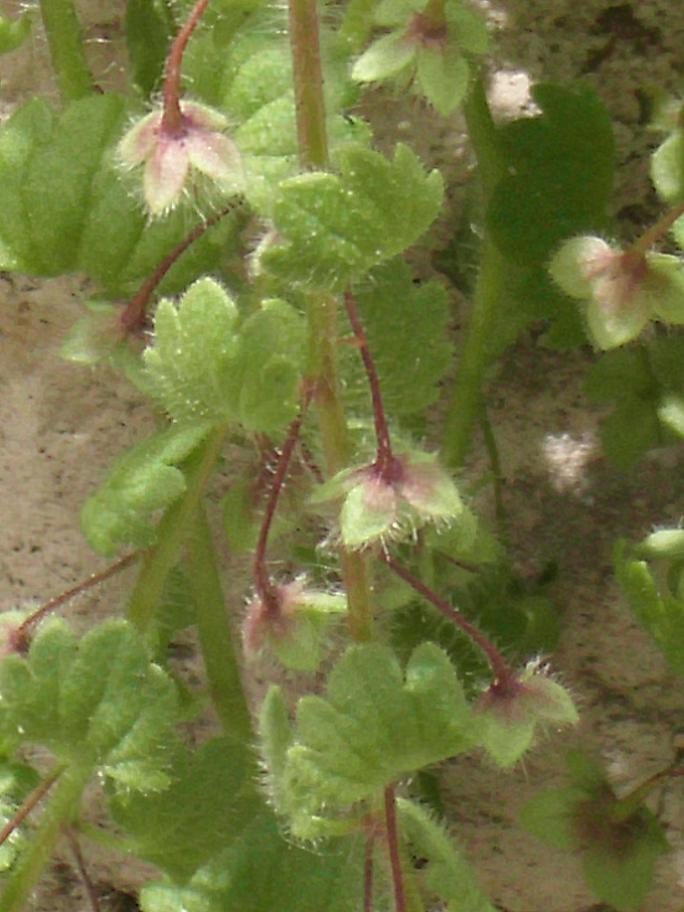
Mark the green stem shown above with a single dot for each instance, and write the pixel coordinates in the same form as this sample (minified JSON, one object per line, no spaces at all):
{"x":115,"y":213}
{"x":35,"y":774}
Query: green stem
{"x":322,"y":309}
{"x":61,"y":807}
{"x":466,"y":396}
{"x":308,"y":83}
{"x":218,"y":651}
{"x":63,"y":32}
{"x":172,"y":530}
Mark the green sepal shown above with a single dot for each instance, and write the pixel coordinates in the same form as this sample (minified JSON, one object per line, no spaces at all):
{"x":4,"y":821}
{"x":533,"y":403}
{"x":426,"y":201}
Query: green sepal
{"x":667,"y":168}
{"x":443,"y":76}
{"x":14,"y":32}
{"x":663,"y":544}
{"x":210,"y":800}
{"x":385,"y":57}
{"x":373,"y":726}
{"x":145,"y":479}
{"x":303,"y":643}
{"x":449,"y":876}
{"x":276,"y":734}
{"x":333,"y":228}
{"x":99,"y":698}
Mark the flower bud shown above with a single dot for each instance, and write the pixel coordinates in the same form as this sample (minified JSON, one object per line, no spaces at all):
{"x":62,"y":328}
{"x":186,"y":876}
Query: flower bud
{"x":294,"y":627}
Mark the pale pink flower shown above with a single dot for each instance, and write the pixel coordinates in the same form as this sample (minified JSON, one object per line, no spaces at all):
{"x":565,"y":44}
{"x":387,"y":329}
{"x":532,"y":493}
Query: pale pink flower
{"x":169,"y":156}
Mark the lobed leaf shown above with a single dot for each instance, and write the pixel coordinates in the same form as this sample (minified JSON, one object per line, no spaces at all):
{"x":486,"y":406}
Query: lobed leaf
{"x":97,"y":698}
{"x":374,"y":725}
{"x":145,"y":479}
{"x":333,"y":228}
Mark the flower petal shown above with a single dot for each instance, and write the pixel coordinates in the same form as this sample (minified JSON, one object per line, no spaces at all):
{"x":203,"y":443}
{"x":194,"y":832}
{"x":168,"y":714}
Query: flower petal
{"x":139,"y":142}
{"x":165,"y":173}
{"x":216,"y":156}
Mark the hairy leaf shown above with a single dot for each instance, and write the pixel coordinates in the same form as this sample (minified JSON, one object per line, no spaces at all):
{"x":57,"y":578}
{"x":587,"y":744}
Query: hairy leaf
{"x":448,"y":874}
{"x":203,"y":367}
{"x":148,"y":33}
{"x":408,"y":336}
{"x":333,"y":228}
{"x":97,"y":698}
{"x":373,"y":726}
{"x":211,"y":799}
{"x":143,"y":480}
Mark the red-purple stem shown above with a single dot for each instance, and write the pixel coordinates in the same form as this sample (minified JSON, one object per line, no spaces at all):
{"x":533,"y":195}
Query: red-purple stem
{"x":393,"y":849}
{"x":384,"y":460}
{"x":262,"y":581}
{"x":132,"y":318}
{"x":29,"y":803}
{"x":501,"y":670}
{"x":22,"y":631}
{"x":368,"y":871}
{"x":172,"y":119}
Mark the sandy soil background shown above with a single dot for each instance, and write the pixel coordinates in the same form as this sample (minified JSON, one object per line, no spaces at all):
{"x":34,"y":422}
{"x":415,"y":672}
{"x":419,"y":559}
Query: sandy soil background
{"x":60,"y":427}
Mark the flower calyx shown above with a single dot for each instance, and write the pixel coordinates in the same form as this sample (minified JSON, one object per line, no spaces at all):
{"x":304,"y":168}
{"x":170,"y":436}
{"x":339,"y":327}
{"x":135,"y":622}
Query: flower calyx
{"x":173,"y":153}
{"x":513,"y":706}
{"x":623,"y":289}
{"x":292,"y":623}
{"x":387,"y":500}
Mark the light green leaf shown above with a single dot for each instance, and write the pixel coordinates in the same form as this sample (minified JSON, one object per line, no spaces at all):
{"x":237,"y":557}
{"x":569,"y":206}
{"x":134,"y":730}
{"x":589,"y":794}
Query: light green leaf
{"x":195,"y":342}
{"x":333,"y":228}
{"x":549,"y":816}
{"x":143,"y":480}
{"x":276,"y":734}
{"x":373,"y":726}
{"x":667,"y":168}
{"x":97,"y":698}
{"x":467,"y":28}
{"x":13,"y":32}
{"x":448,"y":874}
{"x":671,"y":413}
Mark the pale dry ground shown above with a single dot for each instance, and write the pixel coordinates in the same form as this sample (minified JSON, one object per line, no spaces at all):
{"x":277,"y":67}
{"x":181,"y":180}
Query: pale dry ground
{"x":60,"y":427}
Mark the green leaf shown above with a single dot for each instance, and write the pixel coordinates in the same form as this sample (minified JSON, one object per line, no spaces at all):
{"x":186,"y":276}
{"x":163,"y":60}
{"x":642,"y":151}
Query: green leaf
{"x":194,"y":344}
{"x":202,"y":367}
{"x":407,"y":328}
{"x":622,"y":875}
{"x":373,"y":727}
{"x":97,"y":698}
{"x":334,"y":228}
{"x":448,"y":875}
{"x":211,"y":799}
{"x":560,"y":174}
{"x":148,"y":34}
{"x":549,"y":816}
{"x":143,"y":480}
{"x":276,"y":735}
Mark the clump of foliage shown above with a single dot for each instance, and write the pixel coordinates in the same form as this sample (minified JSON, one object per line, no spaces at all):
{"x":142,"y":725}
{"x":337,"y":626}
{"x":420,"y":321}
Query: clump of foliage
{"x":239,"y":141}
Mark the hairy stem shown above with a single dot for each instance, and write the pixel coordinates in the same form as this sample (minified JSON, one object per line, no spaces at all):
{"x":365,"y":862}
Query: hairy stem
{"x":30,"y":802}
{"x":262,"y":580}
{"x":393,"y":850}
{"x":57,"y":815}
{"x":172,"y":118}
{"x":63,"y":32}
{"x":172,"y":530}
{"x":132,"y":318}
{"x":466,"y":394}
{"x":53,"y":604}
{"x":501,"y":670}
{"x":322,"y":309}
{"x":88,"y":884}
{"x":218,"y":651}
{"x":384,"y":459}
